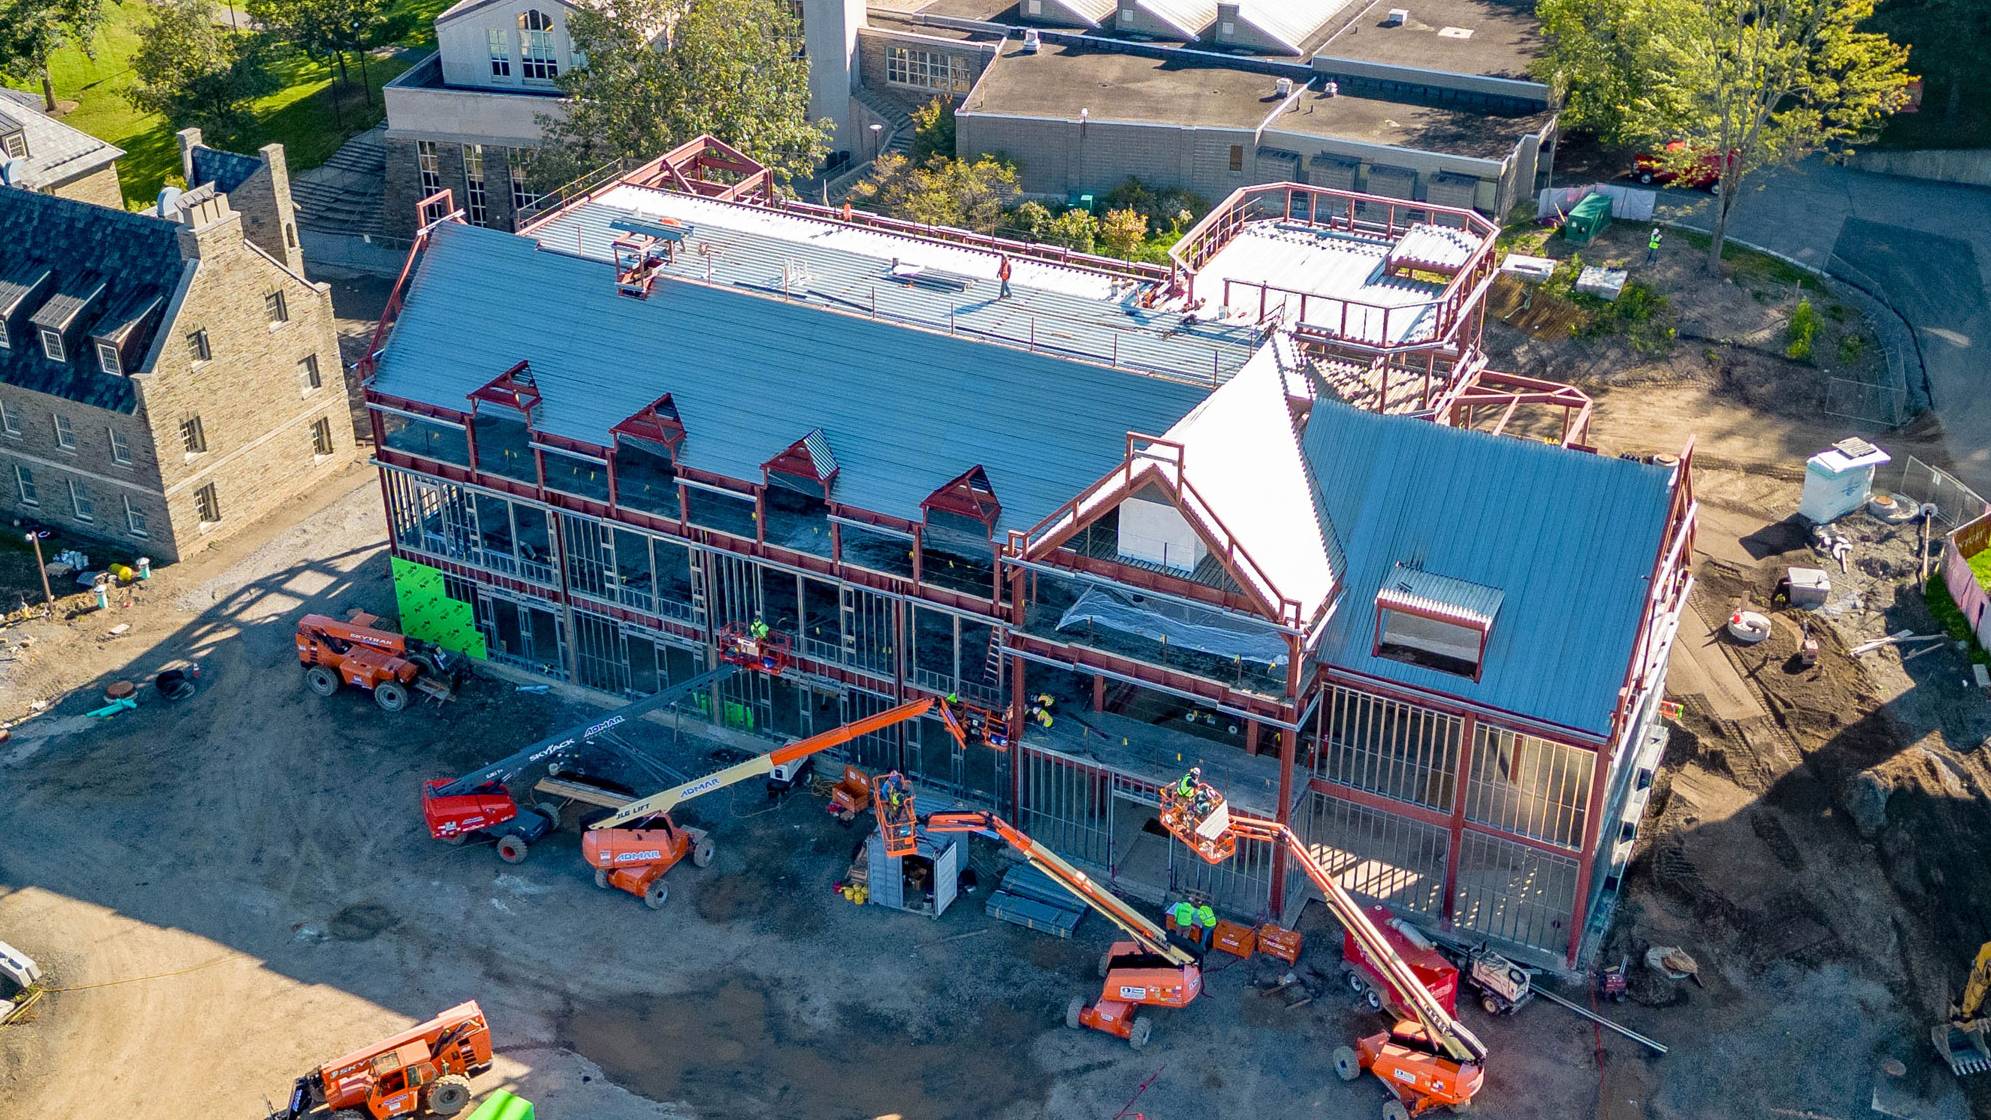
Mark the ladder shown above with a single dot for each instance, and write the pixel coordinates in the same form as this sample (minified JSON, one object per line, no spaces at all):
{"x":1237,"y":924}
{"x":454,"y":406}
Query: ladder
{"x":992,"y":665}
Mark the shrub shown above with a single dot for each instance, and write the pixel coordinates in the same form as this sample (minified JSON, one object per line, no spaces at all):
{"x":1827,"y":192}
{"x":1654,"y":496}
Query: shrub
{"x":933,"y":130}
{"x":1852,"y":347}
{"x":1803,"y":330}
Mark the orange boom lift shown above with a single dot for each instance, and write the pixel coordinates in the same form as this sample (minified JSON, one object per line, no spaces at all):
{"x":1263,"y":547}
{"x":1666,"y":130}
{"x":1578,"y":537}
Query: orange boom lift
{"x":1145,"y":972}
{"x":1427,"y":1061}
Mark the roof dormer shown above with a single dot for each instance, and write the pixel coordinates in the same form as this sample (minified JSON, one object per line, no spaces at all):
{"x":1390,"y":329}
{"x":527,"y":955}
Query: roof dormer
{"x":109,"y":339}
{"x":17,"y":293}
{"x":57,"y":321}
{"x":1435,"y":621}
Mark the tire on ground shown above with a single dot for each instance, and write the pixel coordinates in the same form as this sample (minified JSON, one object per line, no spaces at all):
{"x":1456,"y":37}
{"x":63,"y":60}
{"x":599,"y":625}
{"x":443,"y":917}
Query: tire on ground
{"x":656,"y":894}
{"x":1142,"y":1029}
{"x":449,"y":1095}
{"x":601,"y":878}
{"x":702,"y":852}
{"x":1394,"y":1109}
{"x":1072,"y":1010}
{"x":1347,"y":1066}
{"x":321,"y":680}
{"x":512,"y":849}
{"x":392,"y":696}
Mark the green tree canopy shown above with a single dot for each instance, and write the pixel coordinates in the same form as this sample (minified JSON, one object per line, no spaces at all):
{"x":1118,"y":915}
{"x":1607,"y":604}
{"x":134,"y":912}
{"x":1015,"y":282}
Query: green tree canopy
{"x":660,"y":72}
{"x":323,"y":29}
{"x":31,"y":31}
{"x":966,"y":194}
{"x":1766,"y":81}
{"x":192,"y":72}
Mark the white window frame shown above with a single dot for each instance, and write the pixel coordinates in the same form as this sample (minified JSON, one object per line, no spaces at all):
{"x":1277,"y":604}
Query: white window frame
{"x":276,"y":307}
{"x":928,"y":70}
{"x":425,"y":160}
{"x":65,"y":433}
{"x":109,"y":359}
{"x":473,"y":185}
{"x":320,"y":449}
{"x":197,"y":346}
{"x":518,"y":162}
{"x":15,"y":143}
{"x":498,"y":44}
{"x":309,"y":379}
{"x":79,"y":499}
{"x":120,"y":447}
{"x":191,"y":426}
{"x":9,"y":423}
{"x":51,"y":345}
{"x":538,"y":59}
{"x":24,"y":485}
{"x":134,"y":519}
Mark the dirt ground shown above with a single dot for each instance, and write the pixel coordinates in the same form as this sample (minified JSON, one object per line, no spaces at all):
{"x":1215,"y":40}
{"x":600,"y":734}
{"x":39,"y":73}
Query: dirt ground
{"x":227,"y":888}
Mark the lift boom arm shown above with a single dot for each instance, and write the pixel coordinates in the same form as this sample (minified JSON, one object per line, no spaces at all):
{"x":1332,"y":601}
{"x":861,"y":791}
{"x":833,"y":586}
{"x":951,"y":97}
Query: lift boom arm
{"x":1447,"y":1033}
{"x":1081,"y":886}
{"x":568,"y":739}
{"x":1976,"y":987}
{"x":671,"y":798}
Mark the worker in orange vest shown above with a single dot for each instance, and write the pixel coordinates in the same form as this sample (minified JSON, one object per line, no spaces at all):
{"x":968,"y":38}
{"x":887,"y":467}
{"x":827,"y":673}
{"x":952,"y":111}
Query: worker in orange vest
{"x":1003,"y":272}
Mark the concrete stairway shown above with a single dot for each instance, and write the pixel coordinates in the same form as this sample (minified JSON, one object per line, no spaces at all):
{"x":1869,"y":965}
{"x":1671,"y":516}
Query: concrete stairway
{"x":343,"y":195}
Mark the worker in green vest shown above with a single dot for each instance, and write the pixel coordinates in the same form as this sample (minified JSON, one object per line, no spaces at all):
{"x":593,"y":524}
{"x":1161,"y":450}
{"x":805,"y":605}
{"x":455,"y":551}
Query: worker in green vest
{"x":1185,"y":917}
{"x":758,"y":630}
{"x":1652,"y":246}
{"x":1206,"y":923}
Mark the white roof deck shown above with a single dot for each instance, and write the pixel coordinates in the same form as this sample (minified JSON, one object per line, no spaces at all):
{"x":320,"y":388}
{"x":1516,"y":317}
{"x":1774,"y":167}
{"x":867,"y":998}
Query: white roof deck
{"x":1332,"y":281}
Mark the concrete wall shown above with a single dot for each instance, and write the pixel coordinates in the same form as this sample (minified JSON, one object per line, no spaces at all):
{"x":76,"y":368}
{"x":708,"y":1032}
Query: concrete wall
{"x":100,"y":187}
{"x":1058,"y":157}
{"x":872,"y":44}
{"x":1971,"y":166}
{"x":829,"y":38}
{"x":463,"y":41}
{"x":467,"y":114}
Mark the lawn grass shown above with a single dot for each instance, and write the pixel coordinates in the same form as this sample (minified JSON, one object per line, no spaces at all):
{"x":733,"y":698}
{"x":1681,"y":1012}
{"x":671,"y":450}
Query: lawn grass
{"x":1980,"y":566}
{"x":1948,"y":616}
{"x":300,"y":115}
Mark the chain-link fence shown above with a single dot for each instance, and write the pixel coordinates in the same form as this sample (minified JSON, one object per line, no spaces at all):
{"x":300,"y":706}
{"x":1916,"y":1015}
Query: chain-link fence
{"x":1955,"y":503}
{"x":1880,"y":405}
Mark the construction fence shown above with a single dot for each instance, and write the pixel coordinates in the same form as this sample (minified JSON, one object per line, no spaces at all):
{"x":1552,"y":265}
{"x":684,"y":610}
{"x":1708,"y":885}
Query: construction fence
{"x":1923,"y":484}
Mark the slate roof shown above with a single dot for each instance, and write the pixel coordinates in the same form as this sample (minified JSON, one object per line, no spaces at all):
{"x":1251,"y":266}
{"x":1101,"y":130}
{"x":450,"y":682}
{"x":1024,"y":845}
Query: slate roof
{"x":133,"y":258}
{"x":56,"y":152}
{"x":904,"y":410}
{"x":226,"y":170}
{"x":1567,"y":539}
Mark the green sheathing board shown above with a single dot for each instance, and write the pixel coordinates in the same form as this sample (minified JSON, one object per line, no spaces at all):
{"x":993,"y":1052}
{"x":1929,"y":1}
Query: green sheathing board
{"x":427,"y":611}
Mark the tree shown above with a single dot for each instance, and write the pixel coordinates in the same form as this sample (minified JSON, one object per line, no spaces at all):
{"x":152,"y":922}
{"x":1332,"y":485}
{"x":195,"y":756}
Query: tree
{"x":192,"y":72}
{"x":31,"y":31}
{"x":1765,"y":81}
{"x":1074,"y":229}
{"x":943,"y":192}
{"x":660,"y":72}
{"x":1123,"y":231}
{"x":933,"y":130}
{"x":325,"y":29}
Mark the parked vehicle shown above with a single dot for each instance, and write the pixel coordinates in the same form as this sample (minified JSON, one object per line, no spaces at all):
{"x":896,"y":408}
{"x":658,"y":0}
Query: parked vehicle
{"x":1704,"y":173}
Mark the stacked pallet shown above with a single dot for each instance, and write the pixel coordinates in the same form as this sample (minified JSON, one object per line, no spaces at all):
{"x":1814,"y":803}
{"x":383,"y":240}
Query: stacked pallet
{"x":1030,"y":899}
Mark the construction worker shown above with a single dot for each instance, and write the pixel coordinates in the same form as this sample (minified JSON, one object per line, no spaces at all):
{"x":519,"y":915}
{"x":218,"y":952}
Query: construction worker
{"x":1184,"y":917}
{"x":758,"y":629}
{"x":1003,"y":272}
{"x":1186,"y":788}
{"x":1206,"y":923}
{"x":1652,"y":246}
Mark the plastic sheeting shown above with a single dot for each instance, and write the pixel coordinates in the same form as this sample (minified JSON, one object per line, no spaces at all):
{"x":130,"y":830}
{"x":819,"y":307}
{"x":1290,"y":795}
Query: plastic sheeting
{"x":1177,"y":624}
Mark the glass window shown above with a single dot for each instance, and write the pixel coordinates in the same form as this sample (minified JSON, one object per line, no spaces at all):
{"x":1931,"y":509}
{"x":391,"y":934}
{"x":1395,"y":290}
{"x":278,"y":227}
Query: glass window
{"x":1237,"y":157}
{"x":24,"y":482}
{"x":536,"y":60}
{"x":134,"y":518}
{"x":65,"y":436}
{"x":644,"y":478}
{"x":192,"y":436}
{"x":504,"y":446}
{"x":500,"y":46}
{"x":120,"y":447}
{"x":80,"y":501}
{"x":321,"y":436}
{"x":277,"y":310}
{"x":9,"y":423}
{"x":207,"y":504}
{"x":51,"y":345}
{"x":308,"y":378}
{"x":932,"y":70}
{"x":197,"y":345}
{"x":517,"y":160}
{"x":473,"y":183}
{"x":576,"y":475}
{"x":413,"y":435}
{"x":425,"y":159}
{"x":15,"y":143}
{"x":107,"y":358}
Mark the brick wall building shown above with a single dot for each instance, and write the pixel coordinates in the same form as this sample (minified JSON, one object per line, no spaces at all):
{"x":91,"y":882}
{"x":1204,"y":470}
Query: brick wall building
{"x":166,"y":378}
{"x":42,"y":154}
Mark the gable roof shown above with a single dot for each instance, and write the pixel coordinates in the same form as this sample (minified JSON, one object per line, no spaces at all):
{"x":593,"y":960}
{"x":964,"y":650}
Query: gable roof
{"x":130,"y":261}
{"x":905,"y":410}
{"x":1568,"y":540}
{"x":57,"y":153}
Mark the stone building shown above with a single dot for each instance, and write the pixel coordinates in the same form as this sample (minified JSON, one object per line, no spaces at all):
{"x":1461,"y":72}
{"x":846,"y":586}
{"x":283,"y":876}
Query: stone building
{"x":42,"y":154}
{"x":166,"y":377}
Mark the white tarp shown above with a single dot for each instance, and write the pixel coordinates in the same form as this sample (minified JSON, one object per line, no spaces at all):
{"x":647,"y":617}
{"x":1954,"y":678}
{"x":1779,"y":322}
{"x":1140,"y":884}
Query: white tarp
{"x":1178,"y":624}
{"x":1630,"y":204}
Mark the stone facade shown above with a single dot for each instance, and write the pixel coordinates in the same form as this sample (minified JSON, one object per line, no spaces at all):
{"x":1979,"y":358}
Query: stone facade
{"x":114,"y":462}
{"x":403,"y":195}
{"x":100,"y":187}
{"x":873,"y":44}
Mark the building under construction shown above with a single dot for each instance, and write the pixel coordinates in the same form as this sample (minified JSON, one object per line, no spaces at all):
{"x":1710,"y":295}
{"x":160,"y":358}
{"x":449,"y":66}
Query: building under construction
{"x":1263,"y":510}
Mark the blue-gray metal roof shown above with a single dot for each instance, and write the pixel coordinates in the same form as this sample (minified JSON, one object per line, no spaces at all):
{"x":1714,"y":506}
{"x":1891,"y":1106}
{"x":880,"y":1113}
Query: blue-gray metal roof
{"x":1441,"y":595}
{"x":904,"y":410}
{"x":1568,"y":539}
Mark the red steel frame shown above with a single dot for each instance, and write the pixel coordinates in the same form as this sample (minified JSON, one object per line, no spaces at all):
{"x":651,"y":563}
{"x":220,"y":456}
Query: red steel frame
{"x":688,"y":168}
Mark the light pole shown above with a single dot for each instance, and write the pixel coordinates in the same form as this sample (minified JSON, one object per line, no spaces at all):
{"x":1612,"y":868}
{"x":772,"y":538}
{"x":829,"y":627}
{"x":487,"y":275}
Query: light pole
{"x":34,"y":538}
{"x":877,"y":131}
